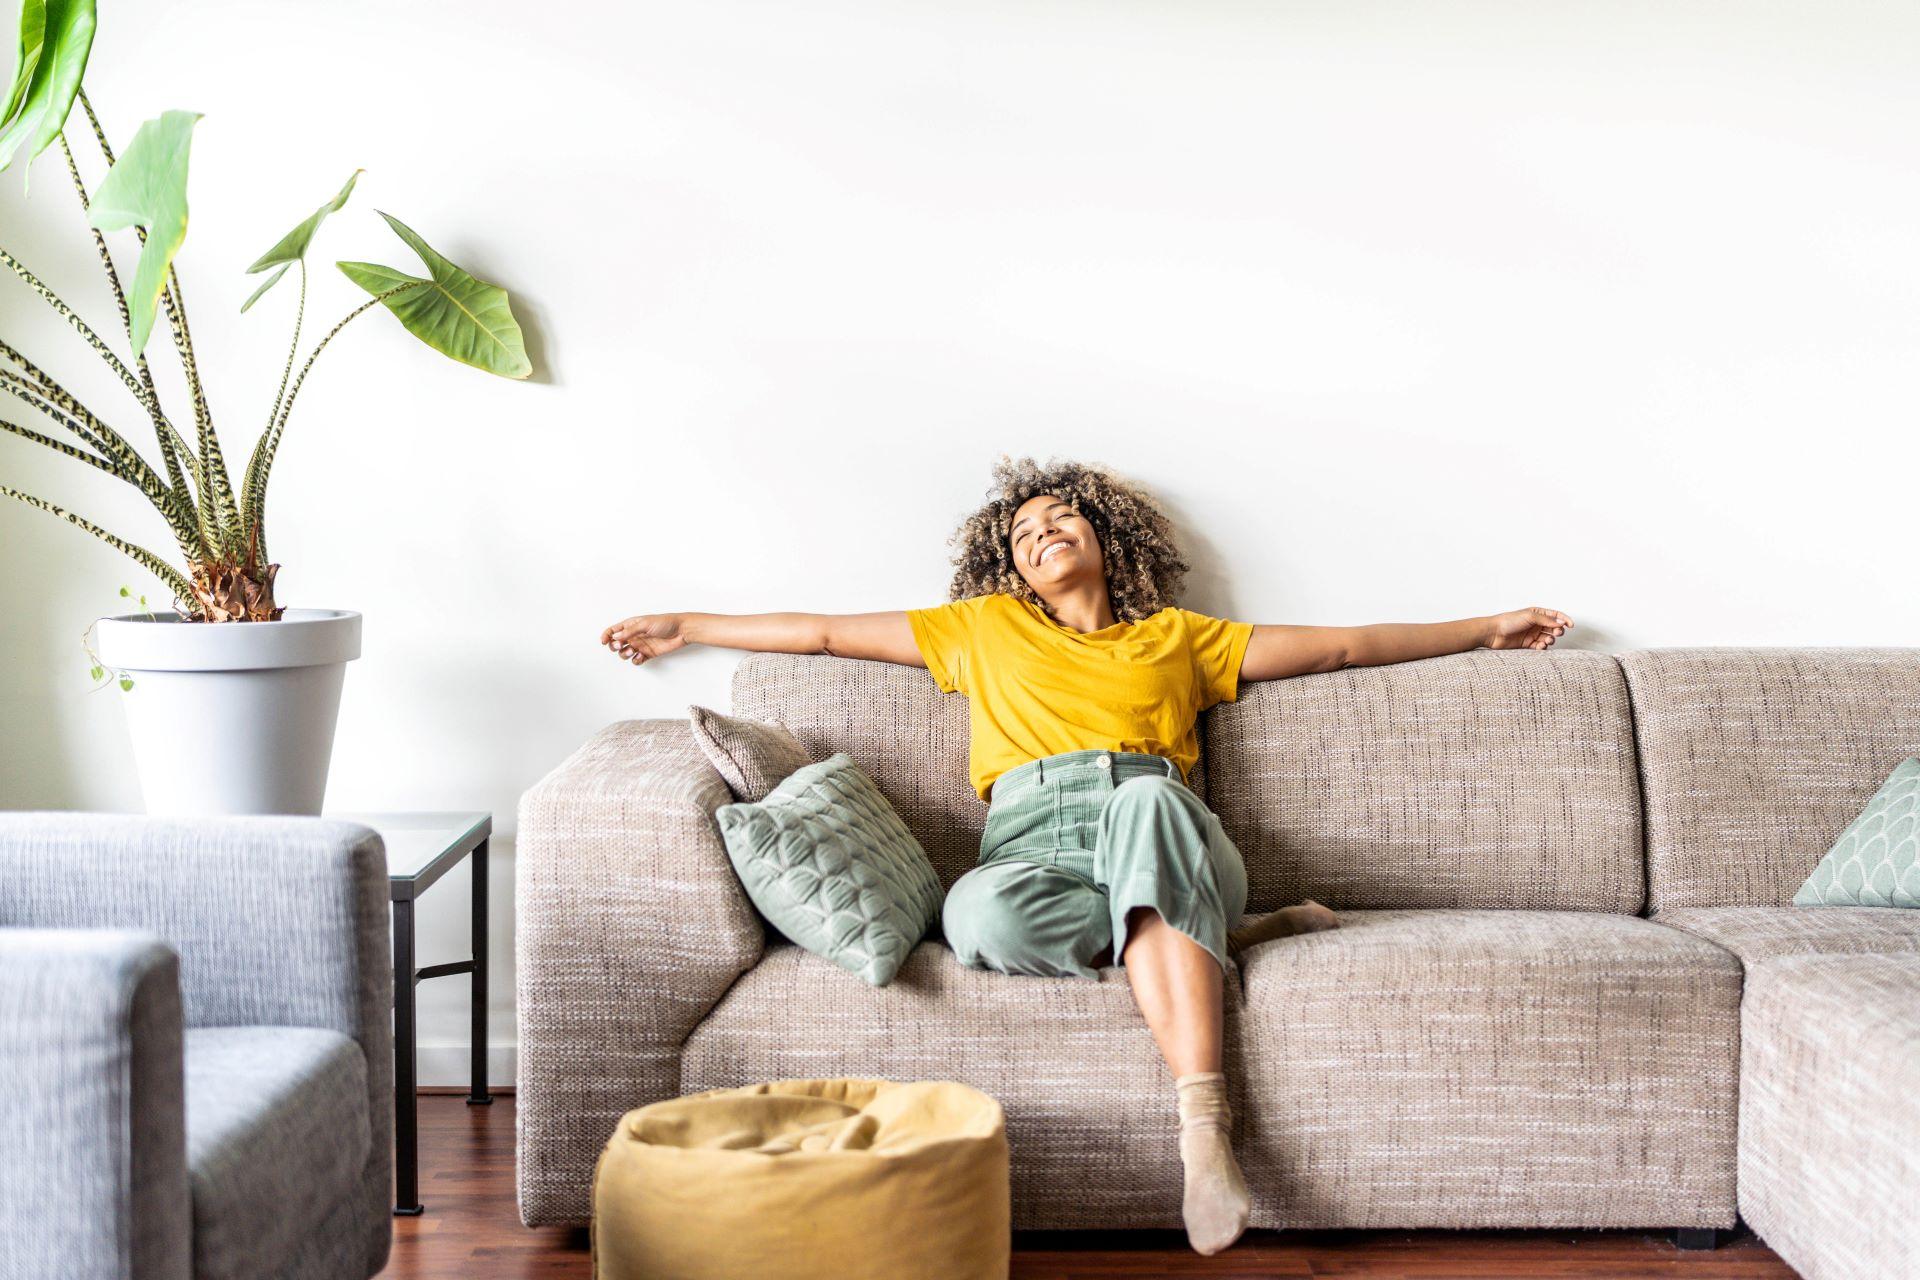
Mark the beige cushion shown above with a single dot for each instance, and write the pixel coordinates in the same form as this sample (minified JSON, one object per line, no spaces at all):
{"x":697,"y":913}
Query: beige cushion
{"x":1483,"y":779}
{"x":1759,"y":933}
{"x":1830,"y":1114}
{"x":754,"y":757}
{"x":1489,"y":1068}
{"x":1756,"y":759}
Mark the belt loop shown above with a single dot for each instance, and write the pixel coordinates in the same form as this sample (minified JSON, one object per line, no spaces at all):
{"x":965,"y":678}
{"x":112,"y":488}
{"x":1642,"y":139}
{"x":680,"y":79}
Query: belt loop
{"x":1039,"y":773}
{"x":1173,"y":770}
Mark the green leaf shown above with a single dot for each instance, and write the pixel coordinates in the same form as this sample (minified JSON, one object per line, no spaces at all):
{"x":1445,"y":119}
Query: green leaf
{"x":96,"y":674}
{"x":293,"y":245}
{"x":33,"y":38}
{"x":455,"y":313}
{"x":272,"y":280}
{"x":125,"y":592}
{"x":147,"y":187}
{"x":126,"y":683}
{"x":55,"y":39}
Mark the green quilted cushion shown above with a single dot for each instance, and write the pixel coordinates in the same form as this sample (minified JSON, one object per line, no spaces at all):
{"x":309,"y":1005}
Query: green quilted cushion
{"x":1876,"y":860}
{"x":832,"y":866}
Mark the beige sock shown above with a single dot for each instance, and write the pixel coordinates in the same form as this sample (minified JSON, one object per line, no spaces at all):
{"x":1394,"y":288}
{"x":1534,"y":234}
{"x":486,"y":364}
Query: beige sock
{"x":1307,"y":917}
{"x":1216,"y":1204}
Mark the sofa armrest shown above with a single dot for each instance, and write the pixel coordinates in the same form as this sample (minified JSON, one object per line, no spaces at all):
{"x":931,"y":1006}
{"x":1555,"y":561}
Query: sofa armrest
{"x":93,"y":1162}
{"x":278,"y":921}
{"x":631,"y":926}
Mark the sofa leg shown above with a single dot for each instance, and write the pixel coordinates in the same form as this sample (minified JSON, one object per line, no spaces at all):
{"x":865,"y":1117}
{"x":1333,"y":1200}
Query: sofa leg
{"x":1697,"y":1237}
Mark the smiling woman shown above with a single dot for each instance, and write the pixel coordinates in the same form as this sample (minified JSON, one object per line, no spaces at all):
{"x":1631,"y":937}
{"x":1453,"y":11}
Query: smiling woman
{"x":1085,"y":681}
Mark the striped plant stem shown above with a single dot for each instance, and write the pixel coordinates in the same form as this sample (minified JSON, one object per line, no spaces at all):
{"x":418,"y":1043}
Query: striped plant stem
{"x":176,"y":582}
{"x":163,"y":431}
{"x":271,"y":442}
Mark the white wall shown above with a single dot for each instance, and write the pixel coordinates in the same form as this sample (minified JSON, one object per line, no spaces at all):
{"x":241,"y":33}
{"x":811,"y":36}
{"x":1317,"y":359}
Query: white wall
{"x":1410,"y":311}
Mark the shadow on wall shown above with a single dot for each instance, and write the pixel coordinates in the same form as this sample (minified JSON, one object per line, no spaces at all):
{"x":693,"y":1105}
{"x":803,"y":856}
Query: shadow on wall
{"x":55,"y":578}
{"x":1208,"y":587}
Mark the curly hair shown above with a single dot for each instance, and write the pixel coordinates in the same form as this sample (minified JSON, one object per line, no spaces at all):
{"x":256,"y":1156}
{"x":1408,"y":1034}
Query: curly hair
{"x":1144,"y":567}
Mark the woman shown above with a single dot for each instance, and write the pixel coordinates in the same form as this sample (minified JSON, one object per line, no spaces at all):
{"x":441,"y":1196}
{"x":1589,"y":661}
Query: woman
{"x":1084,"y":681}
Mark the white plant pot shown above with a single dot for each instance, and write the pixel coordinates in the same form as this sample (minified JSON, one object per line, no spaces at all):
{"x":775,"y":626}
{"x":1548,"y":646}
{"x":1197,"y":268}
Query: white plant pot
{"x":232,"y":717}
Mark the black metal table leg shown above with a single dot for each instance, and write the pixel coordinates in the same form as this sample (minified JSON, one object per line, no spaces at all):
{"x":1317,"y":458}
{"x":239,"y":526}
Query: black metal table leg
{"x":406,"y":1102}
{"x":477,"y":1095}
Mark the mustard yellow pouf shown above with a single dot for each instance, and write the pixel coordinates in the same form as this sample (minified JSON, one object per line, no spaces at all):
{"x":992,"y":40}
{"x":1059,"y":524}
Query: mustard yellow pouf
{"x":807,"y":1180}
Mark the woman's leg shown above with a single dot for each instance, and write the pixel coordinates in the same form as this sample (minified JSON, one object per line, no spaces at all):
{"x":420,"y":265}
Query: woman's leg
{"x":1177,"y":986}
{"x":1175,"y":884}
{"x":1028,"y":918}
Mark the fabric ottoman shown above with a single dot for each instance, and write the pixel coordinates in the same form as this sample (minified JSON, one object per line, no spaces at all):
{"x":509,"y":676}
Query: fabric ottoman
{"x":834,"y":1179}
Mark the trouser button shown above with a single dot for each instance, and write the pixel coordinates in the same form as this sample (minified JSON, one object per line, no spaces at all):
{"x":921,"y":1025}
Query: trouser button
{"x":1105,"y":761}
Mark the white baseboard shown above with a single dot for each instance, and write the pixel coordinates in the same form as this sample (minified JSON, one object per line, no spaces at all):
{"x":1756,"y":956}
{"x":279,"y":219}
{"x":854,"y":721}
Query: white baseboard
{"x":446,"y":1065}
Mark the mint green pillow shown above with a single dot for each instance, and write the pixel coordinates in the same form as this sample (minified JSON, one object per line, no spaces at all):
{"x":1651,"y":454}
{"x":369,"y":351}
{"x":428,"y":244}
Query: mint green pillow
{"x":831,"y":865}
{"x":1876,"y":860}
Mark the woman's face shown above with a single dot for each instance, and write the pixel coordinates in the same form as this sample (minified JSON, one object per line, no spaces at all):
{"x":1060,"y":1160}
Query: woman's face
{"x":1054,"y":546}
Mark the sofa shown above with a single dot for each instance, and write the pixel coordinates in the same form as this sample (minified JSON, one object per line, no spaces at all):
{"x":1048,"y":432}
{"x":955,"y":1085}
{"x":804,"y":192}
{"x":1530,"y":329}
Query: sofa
{"x":1563,"y":877}
{"x":196,"y":1053}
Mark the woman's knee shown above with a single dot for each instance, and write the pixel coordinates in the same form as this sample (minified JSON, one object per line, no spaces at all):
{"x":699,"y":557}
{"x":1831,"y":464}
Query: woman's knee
{"x":1155,"y":828}
{"x":1024,"y":918}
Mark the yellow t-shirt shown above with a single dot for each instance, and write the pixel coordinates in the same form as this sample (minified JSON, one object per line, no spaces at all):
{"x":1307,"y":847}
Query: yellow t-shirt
{"x":1037,"y":688}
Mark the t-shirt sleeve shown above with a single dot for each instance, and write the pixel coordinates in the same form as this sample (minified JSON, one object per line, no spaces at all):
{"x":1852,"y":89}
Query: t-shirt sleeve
{"x":1218,"y":645}
{"x":944,"y":636}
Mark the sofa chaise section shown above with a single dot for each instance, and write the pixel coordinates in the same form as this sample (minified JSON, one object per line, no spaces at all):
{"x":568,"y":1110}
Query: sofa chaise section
{"x":1754,"y":761}
{"x":1830,"y":1113}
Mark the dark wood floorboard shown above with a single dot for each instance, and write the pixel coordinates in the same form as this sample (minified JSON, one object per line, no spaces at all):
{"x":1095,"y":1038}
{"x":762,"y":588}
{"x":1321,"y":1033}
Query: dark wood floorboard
{"x":471,"y":1231}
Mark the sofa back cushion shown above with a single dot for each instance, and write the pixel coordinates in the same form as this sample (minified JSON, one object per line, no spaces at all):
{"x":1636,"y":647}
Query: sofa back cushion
{"x":910,"y":738}
{"x":1756,"y":759}
{"x":1496,"y":779}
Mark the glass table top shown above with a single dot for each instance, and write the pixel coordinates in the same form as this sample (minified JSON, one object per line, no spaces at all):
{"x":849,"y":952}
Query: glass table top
{"x":415,"y":841}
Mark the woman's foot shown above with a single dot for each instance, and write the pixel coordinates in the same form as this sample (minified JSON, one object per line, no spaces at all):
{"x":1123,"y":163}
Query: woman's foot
{"x":1216,"y":1204}
{"x":1305,"y":917}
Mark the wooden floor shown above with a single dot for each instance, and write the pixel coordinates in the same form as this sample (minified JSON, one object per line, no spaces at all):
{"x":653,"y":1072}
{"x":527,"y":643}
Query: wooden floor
{"x":471,"y":1231}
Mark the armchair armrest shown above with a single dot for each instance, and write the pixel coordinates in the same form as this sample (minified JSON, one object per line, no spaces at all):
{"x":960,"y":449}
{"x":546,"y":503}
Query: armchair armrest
{"x":278,"y":921}
{"x":631,"y":926}
{"x":93,"y":1166}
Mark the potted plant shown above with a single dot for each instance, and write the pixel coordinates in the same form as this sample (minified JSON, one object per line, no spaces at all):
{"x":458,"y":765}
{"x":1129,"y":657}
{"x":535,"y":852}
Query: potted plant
{"x":231,"y":699}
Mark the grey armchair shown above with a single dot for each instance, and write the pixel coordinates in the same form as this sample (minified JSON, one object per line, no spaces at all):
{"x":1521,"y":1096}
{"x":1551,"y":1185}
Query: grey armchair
{"x":196,"y":1064}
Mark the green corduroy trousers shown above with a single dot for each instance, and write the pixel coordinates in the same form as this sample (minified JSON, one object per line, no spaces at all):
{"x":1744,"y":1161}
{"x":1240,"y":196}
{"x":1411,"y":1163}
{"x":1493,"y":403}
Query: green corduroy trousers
{"x":1074,"y":842}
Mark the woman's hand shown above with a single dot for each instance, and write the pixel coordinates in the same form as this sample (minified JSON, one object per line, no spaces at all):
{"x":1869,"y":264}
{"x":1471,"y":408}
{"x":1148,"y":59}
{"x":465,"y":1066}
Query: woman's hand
{"x":644,"y":636}
{"x":1526,"y":629}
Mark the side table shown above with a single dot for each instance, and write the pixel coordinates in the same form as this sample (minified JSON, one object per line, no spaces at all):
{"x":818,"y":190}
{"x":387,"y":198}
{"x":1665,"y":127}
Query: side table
{"x":422,"y":847}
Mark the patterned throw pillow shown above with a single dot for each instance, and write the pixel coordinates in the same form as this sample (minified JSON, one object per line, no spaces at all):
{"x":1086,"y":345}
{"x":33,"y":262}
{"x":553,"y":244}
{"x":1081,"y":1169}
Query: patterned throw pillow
{"x":751,"y":755}
{"x":832,"y":866}
{"x":1876,"y":860}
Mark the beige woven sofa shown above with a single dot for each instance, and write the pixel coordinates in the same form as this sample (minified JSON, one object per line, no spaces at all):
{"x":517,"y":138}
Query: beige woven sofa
{"x":1500,"y":1036}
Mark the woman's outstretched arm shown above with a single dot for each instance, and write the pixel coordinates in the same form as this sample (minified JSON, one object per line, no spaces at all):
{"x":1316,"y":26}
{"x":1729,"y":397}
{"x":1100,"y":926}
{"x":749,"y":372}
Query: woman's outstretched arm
{"x":884,"y":637}
{"x":1276,"y":652}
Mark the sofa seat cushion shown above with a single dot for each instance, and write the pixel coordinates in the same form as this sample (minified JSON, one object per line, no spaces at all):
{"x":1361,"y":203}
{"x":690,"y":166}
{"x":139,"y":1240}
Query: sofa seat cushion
{"x":1467,"y":1068}
{"x":1830,"y":1113}
{"x":1089,"y":1102}
{"x":1759,"y":933}
{"x":277,"y":1136}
